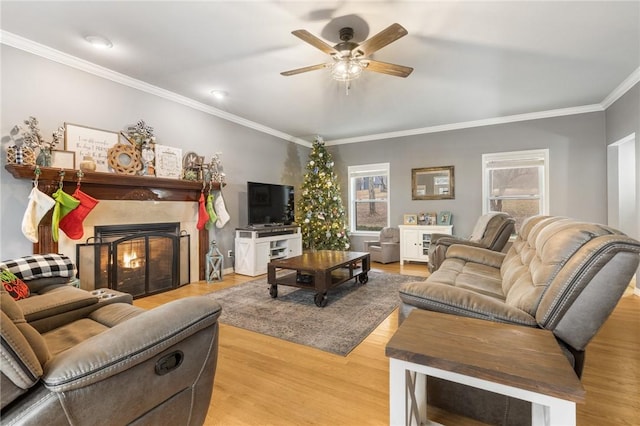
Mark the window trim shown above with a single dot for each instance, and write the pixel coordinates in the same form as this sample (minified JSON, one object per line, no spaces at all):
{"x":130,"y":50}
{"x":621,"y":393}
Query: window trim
{"x":516,"y":155}
{"x":364,"y":170}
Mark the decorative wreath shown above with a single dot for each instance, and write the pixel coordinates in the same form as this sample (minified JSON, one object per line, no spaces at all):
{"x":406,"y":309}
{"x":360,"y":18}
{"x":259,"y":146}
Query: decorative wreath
{"x":125,"y":159}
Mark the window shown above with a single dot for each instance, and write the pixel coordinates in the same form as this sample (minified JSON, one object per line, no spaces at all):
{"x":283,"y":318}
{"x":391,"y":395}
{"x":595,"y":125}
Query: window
{"x":368,"y":197}
{"x":516,"y":183}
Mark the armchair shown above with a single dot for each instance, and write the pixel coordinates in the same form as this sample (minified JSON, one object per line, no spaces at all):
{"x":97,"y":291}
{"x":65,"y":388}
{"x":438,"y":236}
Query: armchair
{"x":387,"y":248}
{"x":118,"y":364}
{"x":492,"y":231}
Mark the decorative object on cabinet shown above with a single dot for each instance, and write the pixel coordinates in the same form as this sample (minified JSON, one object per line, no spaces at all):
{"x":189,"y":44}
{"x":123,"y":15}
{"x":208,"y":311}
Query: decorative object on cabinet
{"x":444,"y":218}
{"x":124,"y":159}
{"x":141,"y":134}
{"x":410,"y":219}
{"x":168,"y":162}
{"x":63,"y":159}
{"x":422,"y":218}
{"x":94,"y":143}
{"x":431,"y":218}
{"x":433,"y":183}
{"x":416,"y":239}
{"x":87,"y":164}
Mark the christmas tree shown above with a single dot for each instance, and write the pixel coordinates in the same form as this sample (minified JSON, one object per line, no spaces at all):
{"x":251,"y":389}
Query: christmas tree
{"x":322,"y":216}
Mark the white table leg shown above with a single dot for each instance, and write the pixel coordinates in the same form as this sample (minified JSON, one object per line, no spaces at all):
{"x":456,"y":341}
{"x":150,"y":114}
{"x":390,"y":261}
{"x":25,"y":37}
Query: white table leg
{"x":559,"y":413}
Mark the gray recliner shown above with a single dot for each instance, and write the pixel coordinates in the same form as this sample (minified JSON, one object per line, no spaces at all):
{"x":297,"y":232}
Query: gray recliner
{"x":117,"y":364}
{"x":559,"y":274}
{"x":492,"y":231}
{"x":387,"y":248}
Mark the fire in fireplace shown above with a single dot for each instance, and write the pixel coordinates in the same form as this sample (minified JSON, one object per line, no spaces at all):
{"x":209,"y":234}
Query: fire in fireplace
{"x":140,"y":259}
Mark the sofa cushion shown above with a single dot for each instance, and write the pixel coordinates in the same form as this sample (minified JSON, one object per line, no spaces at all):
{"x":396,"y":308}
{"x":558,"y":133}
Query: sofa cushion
{"x":56,"y":301}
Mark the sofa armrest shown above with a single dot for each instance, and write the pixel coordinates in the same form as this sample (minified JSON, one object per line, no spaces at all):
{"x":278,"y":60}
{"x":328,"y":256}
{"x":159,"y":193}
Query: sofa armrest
{"x":437,"y":297}
{"x":130,"y":343}
{"x":370,"y":243}
{"x":476,"y":255}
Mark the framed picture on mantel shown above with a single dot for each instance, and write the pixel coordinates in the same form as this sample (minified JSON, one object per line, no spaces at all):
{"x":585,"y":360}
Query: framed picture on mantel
{"x":89,"y":142}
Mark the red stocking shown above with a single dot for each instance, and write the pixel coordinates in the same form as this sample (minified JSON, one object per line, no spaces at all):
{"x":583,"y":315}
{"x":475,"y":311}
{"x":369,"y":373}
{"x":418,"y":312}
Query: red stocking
{"x":203,"y":216}
{"x":71,"y":224}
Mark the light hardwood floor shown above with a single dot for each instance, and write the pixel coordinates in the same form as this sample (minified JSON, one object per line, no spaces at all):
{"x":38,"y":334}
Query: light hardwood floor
{"x":262,"y":380}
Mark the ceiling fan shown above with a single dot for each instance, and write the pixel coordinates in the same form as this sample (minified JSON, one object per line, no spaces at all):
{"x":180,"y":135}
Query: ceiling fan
{"x":351,"y":58}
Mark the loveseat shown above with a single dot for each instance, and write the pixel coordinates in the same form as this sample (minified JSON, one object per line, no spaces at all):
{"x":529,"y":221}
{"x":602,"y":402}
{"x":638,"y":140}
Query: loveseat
{"x":560,"y":274}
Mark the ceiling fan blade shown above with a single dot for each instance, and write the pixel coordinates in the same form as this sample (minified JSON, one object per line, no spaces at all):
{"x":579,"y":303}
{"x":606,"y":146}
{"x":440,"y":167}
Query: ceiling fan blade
{"x":305,"y":35}
{"x":386,"y":68}
{"x":380,"y":40}
{"x":305,"y":69}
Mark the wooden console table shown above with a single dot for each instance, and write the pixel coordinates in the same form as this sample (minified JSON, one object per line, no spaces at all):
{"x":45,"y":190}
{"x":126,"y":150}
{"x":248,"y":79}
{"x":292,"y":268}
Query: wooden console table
{"x":522,"y":362}
{"x":111,"y":186}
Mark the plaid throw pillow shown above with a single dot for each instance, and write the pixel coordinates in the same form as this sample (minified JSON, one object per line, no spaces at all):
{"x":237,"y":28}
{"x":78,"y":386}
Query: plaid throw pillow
{"x":40,"y":266}
{"x":14,"y":285}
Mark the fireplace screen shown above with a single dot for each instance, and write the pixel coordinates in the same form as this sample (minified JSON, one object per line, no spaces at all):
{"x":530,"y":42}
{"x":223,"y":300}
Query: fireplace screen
{"x":138,"y":259}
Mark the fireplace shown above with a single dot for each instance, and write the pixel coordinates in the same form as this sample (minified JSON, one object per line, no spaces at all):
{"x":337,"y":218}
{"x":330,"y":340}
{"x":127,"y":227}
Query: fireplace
{"x":139,"y":259}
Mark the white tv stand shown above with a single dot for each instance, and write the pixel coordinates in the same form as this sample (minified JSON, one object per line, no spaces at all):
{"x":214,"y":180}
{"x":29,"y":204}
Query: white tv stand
{"x":257,"y":246}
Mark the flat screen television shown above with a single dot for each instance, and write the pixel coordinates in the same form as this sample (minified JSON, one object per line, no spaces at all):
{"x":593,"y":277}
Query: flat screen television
{"x":270,"y":204}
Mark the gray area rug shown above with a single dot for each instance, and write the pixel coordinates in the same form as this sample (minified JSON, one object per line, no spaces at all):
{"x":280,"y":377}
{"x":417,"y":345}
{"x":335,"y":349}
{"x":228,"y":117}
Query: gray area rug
{"x":353,"y":311}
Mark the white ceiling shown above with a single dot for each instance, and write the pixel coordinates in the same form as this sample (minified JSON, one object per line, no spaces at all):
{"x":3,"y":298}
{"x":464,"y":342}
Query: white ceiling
{"x":472,"y":60}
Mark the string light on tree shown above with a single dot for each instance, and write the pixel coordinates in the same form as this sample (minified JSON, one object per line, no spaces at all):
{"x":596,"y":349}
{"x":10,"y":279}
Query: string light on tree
{"x":322,"y":216}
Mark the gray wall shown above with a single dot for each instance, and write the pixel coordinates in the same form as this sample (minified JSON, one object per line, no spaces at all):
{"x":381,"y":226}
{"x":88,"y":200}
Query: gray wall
{"x":55,"y":93}
{"x":623,"y":116}
{"x":576,"y":153}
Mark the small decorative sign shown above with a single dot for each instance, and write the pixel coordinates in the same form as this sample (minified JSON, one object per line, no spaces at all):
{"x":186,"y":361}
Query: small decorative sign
{"x":168,"y":162}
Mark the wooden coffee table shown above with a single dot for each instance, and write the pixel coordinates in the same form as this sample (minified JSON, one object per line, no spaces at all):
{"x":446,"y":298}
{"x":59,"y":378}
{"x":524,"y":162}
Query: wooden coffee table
{"x":319,"y":270}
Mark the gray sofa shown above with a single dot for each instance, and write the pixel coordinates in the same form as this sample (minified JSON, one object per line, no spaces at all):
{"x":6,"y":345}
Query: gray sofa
{"x":560,"y":274}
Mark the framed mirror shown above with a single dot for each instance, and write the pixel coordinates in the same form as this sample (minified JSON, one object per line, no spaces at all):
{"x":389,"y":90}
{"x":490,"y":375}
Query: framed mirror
{"x":432,"y":183}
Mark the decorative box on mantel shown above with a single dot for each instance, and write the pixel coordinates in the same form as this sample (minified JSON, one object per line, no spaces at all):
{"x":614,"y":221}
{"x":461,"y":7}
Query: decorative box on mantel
{"x":111,"y":186}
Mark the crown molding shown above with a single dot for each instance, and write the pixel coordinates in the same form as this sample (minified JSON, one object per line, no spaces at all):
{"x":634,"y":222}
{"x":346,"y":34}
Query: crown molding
{"x":623,"y":88}
{"x":41,"y":50}
{"x":468,"y":124}
{"x":47,"y":52}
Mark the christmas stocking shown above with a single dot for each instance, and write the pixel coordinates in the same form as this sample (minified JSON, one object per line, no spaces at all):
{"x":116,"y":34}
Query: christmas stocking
{"x":64,"y":204}
{"x":39,"y":204}
{"x":71,"y":224}
{"x":203,"y":216}
{"x":212,"y":214}
{"x":221,"y":210}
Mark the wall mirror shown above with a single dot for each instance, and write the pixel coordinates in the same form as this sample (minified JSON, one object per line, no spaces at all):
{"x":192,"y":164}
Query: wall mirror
{"x":432,"y":183}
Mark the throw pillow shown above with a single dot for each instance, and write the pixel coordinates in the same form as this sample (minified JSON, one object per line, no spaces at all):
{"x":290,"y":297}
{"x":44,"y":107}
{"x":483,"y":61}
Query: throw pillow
{"x":14,"y":285}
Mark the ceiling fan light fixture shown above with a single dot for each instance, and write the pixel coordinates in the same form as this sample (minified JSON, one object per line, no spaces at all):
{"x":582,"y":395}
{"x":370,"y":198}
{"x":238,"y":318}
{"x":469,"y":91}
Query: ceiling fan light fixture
{"x":346,"y":69}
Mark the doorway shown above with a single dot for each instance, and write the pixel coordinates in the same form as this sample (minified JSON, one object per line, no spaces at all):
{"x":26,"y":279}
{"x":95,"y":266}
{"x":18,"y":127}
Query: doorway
{"x":622,"y":186}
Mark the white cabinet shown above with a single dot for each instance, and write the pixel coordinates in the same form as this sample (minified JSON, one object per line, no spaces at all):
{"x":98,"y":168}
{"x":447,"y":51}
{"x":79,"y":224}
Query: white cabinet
{"x":415,"y":241}
{"x":255,"y":248}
